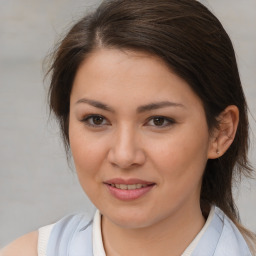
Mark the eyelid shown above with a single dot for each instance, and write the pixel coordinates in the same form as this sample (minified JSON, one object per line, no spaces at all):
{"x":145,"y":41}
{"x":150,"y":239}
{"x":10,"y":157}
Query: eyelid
{"x":86,"y":119}
{"x":167,"y":121}
{"x":170,"y":121}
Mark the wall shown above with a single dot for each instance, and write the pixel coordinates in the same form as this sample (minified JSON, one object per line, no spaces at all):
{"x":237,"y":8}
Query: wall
{"x":36,"y":185}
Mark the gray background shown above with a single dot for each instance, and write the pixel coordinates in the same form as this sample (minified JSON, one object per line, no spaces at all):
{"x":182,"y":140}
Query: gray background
{"x":36,"y":184}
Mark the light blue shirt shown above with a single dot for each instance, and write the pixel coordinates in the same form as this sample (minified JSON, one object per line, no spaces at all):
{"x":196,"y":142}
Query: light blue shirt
{"x":72,"y":236}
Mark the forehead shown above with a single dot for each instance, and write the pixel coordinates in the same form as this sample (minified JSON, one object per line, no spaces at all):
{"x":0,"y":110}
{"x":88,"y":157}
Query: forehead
{"x":112,"y":63}
{"x":108,"y":74}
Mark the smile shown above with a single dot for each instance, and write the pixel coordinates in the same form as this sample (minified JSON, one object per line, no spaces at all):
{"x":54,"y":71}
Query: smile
{"x":129,"y":187}
{"x":128,"y":190}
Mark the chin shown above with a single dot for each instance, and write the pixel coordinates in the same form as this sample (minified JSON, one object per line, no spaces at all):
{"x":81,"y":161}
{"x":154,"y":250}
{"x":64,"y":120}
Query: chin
{"x":130,"y":219}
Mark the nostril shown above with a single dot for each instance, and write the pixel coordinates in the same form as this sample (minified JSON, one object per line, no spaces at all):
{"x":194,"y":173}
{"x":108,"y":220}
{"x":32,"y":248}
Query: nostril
{"x":126,"y":160}
{"x":125,"y":151}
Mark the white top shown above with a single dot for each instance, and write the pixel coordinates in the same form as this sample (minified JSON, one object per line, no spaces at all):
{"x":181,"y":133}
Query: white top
{"x":97,"y":243}
{"x":77,"y":235}
{"x":194,"y":243}
{"x":43,"y":237}
{"x":98,"y":248}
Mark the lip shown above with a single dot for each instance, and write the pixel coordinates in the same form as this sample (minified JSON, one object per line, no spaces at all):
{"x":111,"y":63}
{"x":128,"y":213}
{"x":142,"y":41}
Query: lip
{"x":128,"y":181}
{"x":131,"y":194}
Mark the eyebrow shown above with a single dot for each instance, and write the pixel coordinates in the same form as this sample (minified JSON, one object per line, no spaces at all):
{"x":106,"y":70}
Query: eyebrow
{"x":140,"y":109}
{"x":96,"y":104}
{"x":157,"y":105}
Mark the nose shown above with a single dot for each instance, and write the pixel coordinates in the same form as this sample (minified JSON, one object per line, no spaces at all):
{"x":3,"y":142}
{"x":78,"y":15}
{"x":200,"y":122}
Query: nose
{"x":126,"y":150}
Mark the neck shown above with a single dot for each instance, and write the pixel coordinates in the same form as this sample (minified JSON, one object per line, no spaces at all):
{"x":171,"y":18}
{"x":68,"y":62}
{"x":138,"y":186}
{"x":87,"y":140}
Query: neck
{"x":173,"y":234}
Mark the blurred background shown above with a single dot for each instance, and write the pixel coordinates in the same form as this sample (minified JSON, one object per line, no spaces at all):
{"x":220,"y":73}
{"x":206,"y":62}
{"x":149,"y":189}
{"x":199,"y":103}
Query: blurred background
{"x":36,"y":185}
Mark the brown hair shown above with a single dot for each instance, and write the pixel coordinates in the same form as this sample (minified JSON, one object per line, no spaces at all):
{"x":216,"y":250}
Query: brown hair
{"x":193,"y":43}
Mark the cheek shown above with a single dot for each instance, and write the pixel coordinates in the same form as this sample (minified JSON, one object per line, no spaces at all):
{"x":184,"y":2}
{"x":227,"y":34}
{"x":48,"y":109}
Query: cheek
{"x":86,"y":150}
{"x":86,"y":156}
{"x":88,"y":159}
{"x":182,"y":157}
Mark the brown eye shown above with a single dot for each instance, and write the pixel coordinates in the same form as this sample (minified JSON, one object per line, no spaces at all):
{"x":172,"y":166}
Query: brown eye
{"x":97,"y":120}
{"x":158,"y":121}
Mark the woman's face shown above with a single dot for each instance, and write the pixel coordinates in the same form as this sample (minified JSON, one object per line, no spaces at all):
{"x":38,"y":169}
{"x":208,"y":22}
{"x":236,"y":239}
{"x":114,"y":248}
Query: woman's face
{"x":138,"y":136}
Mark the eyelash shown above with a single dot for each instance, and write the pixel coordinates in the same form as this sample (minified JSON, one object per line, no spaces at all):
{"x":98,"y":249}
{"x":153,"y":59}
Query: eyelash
{"x":166,"y":121}
{"x":87,"y":119}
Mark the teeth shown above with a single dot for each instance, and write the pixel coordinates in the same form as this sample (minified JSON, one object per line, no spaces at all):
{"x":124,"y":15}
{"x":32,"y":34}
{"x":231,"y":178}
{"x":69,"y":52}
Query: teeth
{"x":123,"y":186}
{"x":129,"y":187}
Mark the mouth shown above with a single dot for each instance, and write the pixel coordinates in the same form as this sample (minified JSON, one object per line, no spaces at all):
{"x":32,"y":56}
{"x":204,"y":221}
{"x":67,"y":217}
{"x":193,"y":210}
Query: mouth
{"x":129,"y":187}
{"x":127,"y":190}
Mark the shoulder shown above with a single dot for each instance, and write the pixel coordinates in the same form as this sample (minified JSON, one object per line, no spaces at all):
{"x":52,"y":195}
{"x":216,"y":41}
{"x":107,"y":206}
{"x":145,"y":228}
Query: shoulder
{"x":221,"y":238}
{"x":70,"y":233}
{"x":23,"y":246}
{"x":231,"y":241}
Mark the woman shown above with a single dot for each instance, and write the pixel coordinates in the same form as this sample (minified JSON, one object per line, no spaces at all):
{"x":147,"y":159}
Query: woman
{"x":150,"y":103}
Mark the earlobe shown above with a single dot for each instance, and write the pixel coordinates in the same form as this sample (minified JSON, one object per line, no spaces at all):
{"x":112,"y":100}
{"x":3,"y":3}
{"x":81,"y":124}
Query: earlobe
{"x":223,"y":135}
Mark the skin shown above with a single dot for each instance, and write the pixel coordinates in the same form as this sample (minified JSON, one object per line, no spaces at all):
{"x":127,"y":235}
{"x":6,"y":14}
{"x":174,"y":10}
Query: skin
{"x":23,"y":246}
{"x":128,"y":141}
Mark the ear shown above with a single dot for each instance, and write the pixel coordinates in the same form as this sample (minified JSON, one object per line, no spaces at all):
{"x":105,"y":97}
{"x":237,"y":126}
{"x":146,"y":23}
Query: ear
{"x":223,"y":135}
